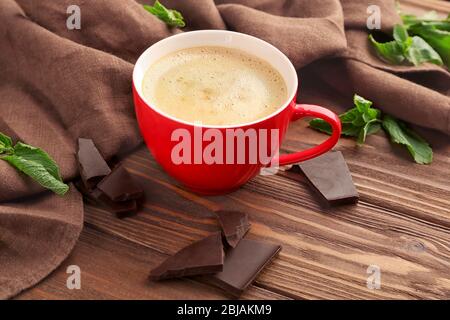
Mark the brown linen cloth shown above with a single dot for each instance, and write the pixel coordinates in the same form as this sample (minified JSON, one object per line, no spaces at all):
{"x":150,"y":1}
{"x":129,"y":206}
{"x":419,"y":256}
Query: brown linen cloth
{"x":57,"y":85}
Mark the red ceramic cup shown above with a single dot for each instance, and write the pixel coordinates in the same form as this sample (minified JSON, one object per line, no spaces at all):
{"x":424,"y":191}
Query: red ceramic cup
{"x":158,"y":127}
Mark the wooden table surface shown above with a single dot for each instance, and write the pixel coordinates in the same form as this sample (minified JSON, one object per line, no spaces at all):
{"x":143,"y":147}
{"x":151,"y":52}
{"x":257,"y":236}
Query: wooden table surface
{"x":401,"y":224}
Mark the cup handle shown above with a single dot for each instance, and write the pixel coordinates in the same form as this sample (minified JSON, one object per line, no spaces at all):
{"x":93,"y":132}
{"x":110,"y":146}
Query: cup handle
{"x":308,"y":110}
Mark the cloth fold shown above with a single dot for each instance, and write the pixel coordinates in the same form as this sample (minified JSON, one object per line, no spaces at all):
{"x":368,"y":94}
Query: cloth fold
{"x":57,"y":85}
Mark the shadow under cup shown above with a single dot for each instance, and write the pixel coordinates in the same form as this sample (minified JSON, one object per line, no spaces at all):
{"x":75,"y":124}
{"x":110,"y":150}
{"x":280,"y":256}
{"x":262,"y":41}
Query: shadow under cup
{"x":165,"y":135}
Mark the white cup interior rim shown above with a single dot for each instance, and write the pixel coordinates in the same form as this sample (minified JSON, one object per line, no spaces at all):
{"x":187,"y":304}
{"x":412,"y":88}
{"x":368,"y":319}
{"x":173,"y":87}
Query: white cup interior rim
{"x":224,"y":38}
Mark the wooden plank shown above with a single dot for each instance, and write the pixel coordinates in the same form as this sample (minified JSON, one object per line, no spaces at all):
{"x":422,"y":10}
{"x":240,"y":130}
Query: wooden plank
{"x":325,"y":252}
{"x":114,"y":268}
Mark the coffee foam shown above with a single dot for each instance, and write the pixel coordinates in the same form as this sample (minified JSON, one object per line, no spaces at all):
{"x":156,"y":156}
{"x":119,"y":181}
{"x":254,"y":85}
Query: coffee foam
{"x":214,"y":86}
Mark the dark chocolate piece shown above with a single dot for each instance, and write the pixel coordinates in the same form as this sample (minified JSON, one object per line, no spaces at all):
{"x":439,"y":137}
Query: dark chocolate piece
{"x":92,"y":166}
{"x":115,"y":190}
{"x":202,"y":257}
{"x":96,"y":196}
{"x":120,"y":208}
{"x":119,"y":185}
{"x":234,"y":225}
{"x":330,"y":177}
{"x":243,"y":264}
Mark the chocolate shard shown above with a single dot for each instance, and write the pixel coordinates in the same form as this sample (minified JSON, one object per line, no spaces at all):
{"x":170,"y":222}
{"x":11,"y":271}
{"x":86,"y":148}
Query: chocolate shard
{"x":330,"y":177}
{"x":96,"y":196}
{"x":202,"y":257}
{"x":242,"y":265}
{"x":120,"y":208}
{"x":92,"y":166}
{"x":119,"y":185}
{"x":234,"y":225}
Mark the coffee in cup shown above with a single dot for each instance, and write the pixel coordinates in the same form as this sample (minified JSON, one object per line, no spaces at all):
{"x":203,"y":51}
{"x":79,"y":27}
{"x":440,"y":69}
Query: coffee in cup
{"x":214,"y":85}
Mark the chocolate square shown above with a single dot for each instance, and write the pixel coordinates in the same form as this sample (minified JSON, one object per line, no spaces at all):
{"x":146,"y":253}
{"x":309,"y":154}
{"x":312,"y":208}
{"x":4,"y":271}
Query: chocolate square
{"x":201,"y":257}
{"x":243,"y":264}
{"x":331,"y":178}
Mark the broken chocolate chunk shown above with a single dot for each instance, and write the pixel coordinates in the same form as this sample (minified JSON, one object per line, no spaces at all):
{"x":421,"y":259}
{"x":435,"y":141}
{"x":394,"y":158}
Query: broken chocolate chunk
{"x":115,"y":190}
{"x":330,"y":177}
{"x":120,"y":208}
{"x":234,"y":225}
{"x":119,"y":185}
{"x":202,"y":257}
{"x":96,"y":196}
{"x":92,"y":166}
{"x":242,"y":265}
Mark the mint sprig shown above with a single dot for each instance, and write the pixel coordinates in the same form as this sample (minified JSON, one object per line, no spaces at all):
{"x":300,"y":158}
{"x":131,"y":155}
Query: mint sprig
{"x":171,"y":17}
{"x":424,"y":39}
{"x":364,"y":120}
{"x":435,"y":32}
{"x":34,"y":162}
{"x":405,"y":48}
{"x":360,"y":121}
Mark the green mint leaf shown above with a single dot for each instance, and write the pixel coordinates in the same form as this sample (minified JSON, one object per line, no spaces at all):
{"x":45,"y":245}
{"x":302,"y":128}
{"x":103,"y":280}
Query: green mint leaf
{"x":171,"y":17}
{"x":371,"y":114}
{"x":321,"y":125}
{"x":369,"y":128}
{"x":420,"y":51}
{"x":373,"y":128}
{"x":416,"y":145}
{"x":367,"y":116}
{"x":400,"y":34}
{"x":5,"y":141}
{"x":439,"y":25}
{"x":391,"y":52}
{"x":361,"y":104}
{"x":359,"y":120}
{"x":37,"y":155}
{"x":349,"y":116}
{"x":350,"y":130}
{"x":37,"y":164}
{"x":437,"y":35}
{"x":38,"y":173}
